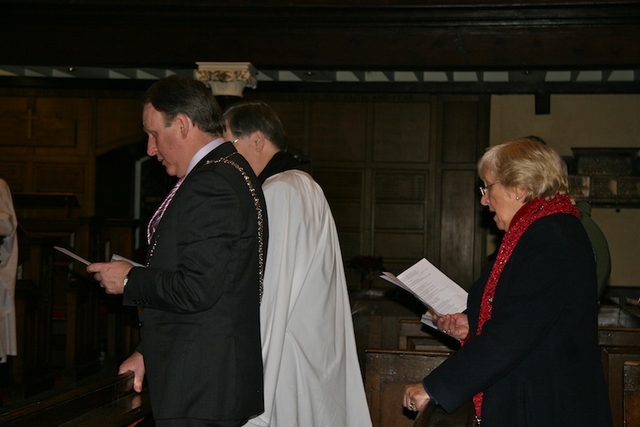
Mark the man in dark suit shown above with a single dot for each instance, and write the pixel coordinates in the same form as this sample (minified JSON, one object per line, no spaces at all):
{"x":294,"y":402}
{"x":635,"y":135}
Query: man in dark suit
{"x":199,"y":294}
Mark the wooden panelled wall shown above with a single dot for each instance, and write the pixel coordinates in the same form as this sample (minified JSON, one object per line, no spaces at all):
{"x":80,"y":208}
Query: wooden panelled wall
{"x":398,"y":169}
{"x":48,"y":142}
{"x":399,"y":172}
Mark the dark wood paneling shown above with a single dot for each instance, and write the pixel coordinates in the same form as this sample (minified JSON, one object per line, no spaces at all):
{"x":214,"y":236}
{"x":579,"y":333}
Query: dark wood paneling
{"x":338,"y":131}
{"x":344,"y":191}
{"x":401,"y":216}
{"x":460,"y":131}
{"x":464,"y":135}
{"x":399,"y":245}
{"x":118,"y":123}
{"x":347,"y":214}
{"x":15,"y":174}
{"x":60,"y":126}
{"x":401,"y":132}
{"x":14,"y":125}
{"x":292,"y":116}
{"x":60,"y":178}
{"x":457,"y":226}
{"x":340,"y":184}
{"x":400,"y":185}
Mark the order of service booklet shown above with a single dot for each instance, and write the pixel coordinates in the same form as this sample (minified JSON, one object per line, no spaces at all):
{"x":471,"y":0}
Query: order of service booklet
{"x":114,"y":257}
{"x":438,"y":292}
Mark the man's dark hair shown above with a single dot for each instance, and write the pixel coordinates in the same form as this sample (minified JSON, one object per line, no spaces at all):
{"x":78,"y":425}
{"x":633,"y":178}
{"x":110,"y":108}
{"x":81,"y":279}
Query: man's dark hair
{"x":177,"y":94}
{"x":248,"y":117}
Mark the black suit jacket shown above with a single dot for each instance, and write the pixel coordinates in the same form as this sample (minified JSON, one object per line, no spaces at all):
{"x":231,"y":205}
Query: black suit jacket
{"x":200,"y":296}
{"x":537,"y":358}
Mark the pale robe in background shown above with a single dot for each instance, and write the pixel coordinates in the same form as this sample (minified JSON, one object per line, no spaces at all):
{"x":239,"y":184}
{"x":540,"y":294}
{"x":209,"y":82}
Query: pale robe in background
{"x":312,"y":375}
{"x":8,"y":271}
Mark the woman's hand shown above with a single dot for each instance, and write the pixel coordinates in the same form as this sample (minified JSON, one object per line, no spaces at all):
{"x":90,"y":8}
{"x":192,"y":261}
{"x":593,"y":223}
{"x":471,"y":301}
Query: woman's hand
{"x":415,"y":397}
{"x":455,"y":325}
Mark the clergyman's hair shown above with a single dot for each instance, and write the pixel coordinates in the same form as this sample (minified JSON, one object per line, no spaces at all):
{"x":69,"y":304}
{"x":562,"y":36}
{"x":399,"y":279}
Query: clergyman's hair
{"x":245,"y":118}
{"x":178,"y":94}
{"x":526,"y":164}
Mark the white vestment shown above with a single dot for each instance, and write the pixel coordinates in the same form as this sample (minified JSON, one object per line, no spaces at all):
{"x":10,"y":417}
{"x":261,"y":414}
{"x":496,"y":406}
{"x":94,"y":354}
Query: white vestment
{"x":311,"y":373}
{"x":8,"y":270}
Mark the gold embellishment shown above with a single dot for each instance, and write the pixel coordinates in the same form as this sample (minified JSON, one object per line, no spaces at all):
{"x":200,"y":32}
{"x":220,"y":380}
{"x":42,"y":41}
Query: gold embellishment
{"x":258,"y":206}
{"x":153,"y":248}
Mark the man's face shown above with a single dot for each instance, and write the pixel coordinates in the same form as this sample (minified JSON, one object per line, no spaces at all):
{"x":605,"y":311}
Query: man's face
{"x":163,"y":142}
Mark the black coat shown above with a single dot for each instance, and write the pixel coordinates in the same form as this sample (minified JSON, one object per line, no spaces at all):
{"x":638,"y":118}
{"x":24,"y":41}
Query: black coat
{"x":537,"y":358}
{"x":199,"y":297}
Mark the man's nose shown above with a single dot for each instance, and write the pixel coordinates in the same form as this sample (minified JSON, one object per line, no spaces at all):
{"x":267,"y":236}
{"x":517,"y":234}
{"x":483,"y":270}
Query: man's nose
{"x":152,"y":149}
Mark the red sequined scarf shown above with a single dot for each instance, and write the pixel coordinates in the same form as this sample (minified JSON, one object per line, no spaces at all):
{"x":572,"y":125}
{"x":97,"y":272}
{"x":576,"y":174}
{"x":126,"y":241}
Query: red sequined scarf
{"x":528,"y":213}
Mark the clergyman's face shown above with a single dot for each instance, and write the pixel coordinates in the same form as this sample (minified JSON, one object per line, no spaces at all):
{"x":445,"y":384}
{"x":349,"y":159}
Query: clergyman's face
{"x":242,"y":144}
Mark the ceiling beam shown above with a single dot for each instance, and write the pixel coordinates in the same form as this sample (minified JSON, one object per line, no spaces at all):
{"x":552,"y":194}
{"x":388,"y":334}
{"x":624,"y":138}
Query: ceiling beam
{"x":299,"y":35}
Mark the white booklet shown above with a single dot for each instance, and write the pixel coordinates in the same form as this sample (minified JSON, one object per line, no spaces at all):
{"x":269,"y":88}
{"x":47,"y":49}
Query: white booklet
{"x":431,"y":286}
{"x":114,"y":257}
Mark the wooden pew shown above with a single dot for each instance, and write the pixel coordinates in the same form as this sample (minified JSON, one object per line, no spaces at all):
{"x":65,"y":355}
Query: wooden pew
{"x":414,"y":335}
{"x":433,"y":415}
{"x":410,"y":330}
{"x":109,"y":402}
{"x":375,"y":321}
{"x":632,"y":393}
{"x":618,"y":345}
{"x":387,"y":372}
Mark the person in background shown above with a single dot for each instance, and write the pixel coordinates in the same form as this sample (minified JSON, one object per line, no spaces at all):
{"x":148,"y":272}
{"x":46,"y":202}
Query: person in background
{"x":598,"y":243}
{"x":596,"y":237}
{"x":312,"y":375}
{"x":529,"y":354}
{"x":198,"y":297}
{"x":8,"y":272}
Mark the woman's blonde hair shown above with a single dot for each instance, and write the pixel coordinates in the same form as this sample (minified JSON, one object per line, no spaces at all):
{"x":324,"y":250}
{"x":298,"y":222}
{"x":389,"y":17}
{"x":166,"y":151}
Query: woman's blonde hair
{"x":526,"y":164}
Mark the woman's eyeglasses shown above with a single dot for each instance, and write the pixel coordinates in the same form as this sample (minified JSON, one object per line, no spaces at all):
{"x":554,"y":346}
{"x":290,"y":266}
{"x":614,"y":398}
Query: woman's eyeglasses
{"x":483,"y":190}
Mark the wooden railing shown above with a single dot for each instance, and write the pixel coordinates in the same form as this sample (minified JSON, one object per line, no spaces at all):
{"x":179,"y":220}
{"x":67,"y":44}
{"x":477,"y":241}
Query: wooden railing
{"x":109,"y":402}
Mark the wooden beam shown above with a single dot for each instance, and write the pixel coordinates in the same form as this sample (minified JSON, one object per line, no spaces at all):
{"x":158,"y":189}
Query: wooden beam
{"x":362,"y":34}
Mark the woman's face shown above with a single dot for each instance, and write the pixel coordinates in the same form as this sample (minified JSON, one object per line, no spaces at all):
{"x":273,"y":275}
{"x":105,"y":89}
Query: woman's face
{"x":505,"y":202}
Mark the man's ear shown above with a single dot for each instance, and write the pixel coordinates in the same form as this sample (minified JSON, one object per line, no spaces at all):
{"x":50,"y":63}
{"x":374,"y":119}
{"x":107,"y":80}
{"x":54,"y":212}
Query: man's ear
{"x":258,"y":140}
{"x":183,"y":125}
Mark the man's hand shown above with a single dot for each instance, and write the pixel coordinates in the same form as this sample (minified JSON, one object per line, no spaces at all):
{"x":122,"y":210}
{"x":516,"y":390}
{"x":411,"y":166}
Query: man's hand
{"x":111,"y":275}
{"x":135,"y":364}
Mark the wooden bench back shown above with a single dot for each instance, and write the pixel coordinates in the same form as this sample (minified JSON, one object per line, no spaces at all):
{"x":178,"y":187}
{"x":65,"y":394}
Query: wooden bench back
{"x":387,"y":372}
{"x":109,"y":402}
{"x":632,"y":393}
